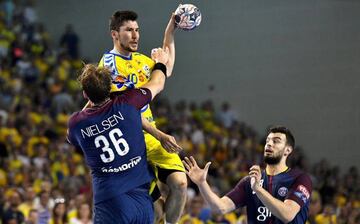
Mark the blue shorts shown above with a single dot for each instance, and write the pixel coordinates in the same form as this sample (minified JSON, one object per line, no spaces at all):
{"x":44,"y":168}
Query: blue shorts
{"x":135,"y":207}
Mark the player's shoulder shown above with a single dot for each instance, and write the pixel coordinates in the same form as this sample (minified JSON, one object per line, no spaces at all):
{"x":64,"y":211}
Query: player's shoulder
{"x":299,"y":174}
{"x":142,"y":57}
{"x":74,"y":118}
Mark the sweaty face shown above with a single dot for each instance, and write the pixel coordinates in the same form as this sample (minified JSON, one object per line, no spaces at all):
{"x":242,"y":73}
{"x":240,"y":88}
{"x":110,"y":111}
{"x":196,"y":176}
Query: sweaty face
{"x":126,"y":39}
{"x":274,"y":148}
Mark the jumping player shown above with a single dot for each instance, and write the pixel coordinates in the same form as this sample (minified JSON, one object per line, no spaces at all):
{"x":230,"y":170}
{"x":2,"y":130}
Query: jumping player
{"x":109,"y":133}
{"x":131,"y":69}
{"x":275,"y":195}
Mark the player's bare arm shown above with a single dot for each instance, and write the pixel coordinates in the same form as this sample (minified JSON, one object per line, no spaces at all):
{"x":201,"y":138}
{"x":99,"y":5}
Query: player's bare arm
{"x":198,"y":176}
{"x":284,"y":210}
{"x":169,"y":42}
{"x":167,"y":141}
{"x":157,"y":80}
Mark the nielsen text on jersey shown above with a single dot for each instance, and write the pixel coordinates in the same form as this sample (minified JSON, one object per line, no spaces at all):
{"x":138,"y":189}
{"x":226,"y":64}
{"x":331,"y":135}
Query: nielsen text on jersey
{"x":106,"y":124}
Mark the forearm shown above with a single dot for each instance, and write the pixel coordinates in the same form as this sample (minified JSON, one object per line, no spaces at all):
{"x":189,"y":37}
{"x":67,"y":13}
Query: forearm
{"x":169,"y":42}
{"x":216,"y":203}
{"x":149,"y":128}
{"x":285,"y":212}
{"x":156,"y":83}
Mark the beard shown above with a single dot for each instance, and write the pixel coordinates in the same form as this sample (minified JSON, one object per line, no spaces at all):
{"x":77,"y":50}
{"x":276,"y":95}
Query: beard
{"x":272,"y":160}
{"x":128,"y":48}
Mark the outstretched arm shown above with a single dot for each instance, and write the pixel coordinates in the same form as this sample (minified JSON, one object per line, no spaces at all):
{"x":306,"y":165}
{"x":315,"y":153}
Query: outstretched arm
{"x":198,"y":176}
{"x":169,"y":42}
{"x":167,"y":141}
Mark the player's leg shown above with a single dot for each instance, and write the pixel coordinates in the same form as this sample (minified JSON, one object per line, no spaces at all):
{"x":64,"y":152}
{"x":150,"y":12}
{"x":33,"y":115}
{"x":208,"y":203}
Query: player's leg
{"x":176,"y":182}
{"x":172,"y":174}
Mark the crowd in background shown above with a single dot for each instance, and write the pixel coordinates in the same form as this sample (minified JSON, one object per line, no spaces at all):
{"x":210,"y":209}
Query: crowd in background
{"x":43,"y":179}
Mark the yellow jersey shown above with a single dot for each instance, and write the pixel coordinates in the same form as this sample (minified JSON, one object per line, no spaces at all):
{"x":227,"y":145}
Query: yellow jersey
{"x":129,"y":72}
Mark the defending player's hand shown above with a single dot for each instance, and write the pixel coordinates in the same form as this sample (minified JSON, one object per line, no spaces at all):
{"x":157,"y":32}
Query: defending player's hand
{"x":160,"y":55}
{"x":169,"y":143}
{"x":255,"y":175}
{"x":195,"y":173}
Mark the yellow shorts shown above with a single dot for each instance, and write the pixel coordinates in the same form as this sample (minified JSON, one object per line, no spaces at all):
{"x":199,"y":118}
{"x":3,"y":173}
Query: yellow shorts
{"x":157,"y":156}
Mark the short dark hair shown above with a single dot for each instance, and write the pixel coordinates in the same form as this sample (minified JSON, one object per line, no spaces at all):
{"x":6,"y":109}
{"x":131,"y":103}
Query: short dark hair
{"x":96,"y":82}
{"x":119,"y":17}
{"x":290,"y":140}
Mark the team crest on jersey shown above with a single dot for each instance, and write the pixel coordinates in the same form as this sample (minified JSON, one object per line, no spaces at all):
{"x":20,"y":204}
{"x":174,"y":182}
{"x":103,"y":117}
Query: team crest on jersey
{"x":282,"y":191}
{"x":141,"y":78}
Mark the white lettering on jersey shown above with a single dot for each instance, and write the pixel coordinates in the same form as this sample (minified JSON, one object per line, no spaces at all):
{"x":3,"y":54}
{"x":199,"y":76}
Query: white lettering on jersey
{"x":132,"y":163}
{"x":106,"y":124}
{"x":263,"y":213}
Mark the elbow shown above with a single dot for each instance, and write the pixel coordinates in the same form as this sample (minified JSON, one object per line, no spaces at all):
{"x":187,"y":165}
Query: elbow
{"x":287,"y":218}
{"x":219,"y":210}
{"x":161,"y":87}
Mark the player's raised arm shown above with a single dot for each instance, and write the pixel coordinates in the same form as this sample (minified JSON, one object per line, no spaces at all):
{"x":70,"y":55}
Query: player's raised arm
{"x":169,"y":42}
{"x":158,"y":75}
{"x":198,"y":176}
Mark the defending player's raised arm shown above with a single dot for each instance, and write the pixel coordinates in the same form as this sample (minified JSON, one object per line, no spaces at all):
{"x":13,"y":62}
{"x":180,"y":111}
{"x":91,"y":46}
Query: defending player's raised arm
{"x":169,"y":42}
{"x":158,"y":75}
{"x":198,"y":176}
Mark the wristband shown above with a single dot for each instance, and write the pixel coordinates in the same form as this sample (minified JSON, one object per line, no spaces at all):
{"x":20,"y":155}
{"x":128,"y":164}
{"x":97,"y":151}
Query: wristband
{"x":160,"y":66}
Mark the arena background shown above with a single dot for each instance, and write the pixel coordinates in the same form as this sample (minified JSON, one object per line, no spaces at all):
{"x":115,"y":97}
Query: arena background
{"x":295,"y":63}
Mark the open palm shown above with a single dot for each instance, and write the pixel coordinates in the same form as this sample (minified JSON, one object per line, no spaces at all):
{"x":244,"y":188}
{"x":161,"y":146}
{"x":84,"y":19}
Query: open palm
{"x":195,"y":173}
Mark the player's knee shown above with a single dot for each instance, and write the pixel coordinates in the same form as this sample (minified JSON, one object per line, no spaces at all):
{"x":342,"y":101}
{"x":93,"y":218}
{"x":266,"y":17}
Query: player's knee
{"x":178,"y":182}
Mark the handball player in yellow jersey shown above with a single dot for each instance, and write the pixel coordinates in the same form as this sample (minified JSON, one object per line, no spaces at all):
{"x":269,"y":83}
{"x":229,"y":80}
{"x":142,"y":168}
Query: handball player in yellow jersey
{"x":131,"y":69}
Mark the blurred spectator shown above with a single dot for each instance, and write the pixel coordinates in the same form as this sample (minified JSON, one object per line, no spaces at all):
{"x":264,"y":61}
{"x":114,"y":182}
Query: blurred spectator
{"x":227,"y":116}
{"x":43,"y":208}
{"x":58,"y":215}
{"x":30,"y":14}
{"x":28,"y":203}
{"x":33,"y":217}
{"x":12,"y":213}
{"x":70,"y":42}
{"x":84,"y":215}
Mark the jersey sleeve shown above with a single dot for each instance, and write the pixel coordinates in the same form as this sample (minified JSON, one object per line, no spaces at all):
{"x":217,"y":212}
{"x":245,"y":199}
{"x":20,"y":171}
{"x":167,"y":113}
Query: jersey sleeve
{"x":238,"y":193}
{"x":70,"y":138}
{"x":108,"y":61}
{"x":301,"y":190}
{"x":135,"y":97}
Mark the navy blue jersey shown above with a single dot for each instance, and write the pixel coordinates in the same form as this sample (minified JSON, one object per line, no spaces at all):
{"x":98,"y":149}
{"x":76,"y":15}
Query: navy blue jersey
{"x":112,"y":141}
{"x":292,"y":184}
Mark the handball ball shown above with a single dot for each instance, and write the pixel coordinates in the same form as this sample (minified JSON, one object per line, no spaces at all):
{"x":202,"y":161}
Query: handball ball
{"x":187,"y":16}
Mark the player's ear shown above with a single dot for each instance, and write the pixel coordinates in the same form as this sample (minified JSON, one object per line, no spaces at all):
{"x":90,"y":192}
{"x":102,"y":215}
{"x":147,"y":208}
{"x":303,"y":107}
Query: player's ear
{"x":84,"y":95}
{"x":288,"y":150}
{"x":114,"y":34}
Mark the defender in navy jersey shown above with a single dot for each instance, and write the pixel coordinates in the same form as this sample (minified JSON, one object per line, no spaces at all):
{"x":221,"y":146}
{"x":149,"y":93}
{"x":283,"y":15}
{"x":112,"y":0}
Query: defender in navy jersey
{"x":275,"y":195}
{"x":110,"y":135}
